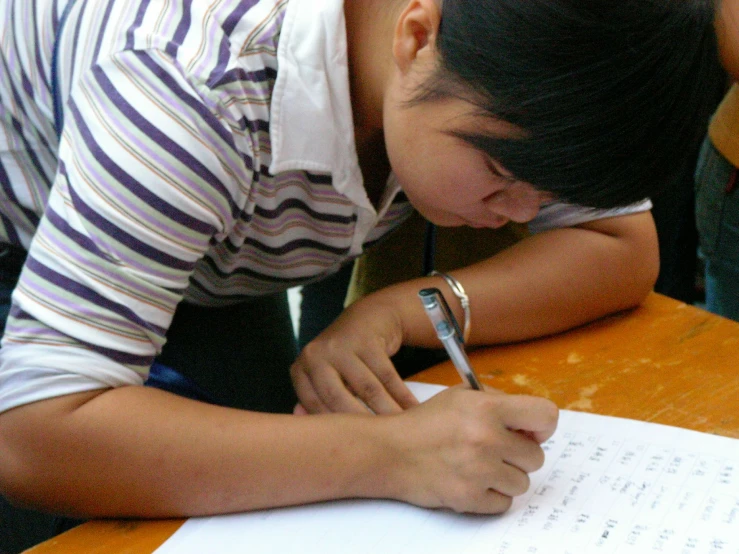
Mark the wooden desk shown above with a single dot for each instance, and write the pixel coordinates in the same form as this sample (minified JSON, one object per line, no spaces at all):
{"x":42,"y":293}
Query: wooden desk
{"x":663,"y":362}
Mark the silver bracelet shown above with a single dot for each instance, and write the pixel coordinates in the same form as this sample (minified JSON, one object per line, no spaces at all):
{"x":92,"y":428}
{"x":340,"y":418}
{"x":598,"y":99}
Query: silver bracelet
{"x":464,"y":300}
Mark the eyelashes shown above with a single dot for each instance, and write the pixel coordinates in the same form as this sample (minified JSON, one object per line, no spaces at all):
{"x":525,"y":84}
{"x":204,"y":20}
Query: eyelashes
{"x":495,"y":170}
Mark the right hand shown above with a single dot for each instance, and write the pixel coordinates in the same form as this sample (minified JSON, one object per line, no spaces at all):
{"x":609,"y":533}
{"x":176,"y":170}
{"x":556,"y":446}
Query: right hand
{"x":471,"y":451}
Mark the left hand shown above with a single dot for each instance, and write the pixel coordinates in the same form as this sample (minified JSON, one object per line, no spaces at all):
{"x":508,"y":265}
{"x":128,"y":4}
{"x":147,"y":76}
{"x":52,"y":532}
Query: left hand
{"x":347,"y":368}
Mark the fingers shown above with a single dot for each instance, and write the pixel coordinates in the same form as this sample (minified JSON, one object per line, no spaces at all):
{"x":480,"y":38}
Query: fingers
{"x":351,"y":383}
{"x":377,"y":383}
{"x":483,"y":501}
{"x":521,"y":452}
{"x":535,"y":417}
{"x":323,"y":391}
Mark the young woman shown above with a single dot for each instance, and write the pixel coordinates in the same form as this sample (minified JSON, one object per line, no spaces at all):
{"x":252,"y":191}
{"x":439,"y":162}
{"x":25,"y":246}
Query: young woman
{"x":213,"y":152}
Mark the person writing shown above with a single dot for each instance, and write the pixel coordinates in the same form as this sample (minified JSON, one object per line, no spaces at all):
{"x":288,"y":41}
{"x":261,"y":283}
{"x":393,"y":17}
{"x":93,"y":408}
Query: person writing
{"x":210,"y":153}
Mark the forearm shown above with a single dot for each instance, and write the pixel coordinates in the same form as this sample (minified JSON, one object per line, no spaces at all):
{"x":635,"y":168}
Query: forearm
{"x":544,"y":284}
{"x":595,"y":273}
{"x":140,"y":452}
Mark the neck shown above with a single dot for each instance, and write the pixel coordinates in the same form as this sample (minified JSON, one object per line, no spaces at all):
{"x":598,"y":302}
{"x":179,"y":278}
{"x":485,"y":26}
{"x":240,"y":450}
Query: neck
{"x":369,"y":30}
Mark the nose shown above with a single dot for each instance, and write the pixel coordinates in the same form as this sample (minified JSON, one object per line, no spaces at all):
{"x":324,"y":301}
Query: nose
{"x":519,"y":202}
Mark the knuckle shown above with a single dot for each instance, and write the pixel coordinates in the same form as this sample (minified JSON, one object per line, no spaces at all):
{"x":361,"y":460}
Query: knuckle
{"x":475,"y":435}
{"x":386,"y":375}
{"x":460,"y":498}
{"x":311,"y":351}
{"x":297,"y":370}
{"x":368,"y":390}
{"x":330,"y":396}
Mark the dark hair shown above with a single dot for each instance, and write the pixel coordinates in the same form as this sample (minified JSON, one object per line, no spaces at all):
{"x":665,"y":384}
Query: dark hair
{"x":611,"y":95}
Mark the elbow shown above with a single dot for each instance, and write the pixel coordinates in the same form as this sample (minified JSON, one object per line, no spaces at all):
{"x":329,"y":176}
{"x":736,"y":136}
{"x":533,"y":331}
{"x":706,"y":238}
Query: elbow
{"x":646,"y":277}
{"x":640,"y":260}
{"x":641,"y":272}
{"x":34,"y":458}
{"x":16,"y":474}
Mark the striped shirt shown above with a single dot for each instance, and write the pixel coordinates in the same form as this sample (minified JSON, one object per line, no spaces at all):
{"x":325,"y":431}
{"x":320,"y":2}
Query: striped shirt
{"x":207,"y":153}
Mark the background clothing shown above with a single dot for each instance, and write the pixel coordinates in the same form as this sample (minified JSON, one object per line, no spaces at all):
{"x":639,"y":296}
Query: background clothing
{"x":724,"y":127}
{"x":717,"y":207}
{"x":717,"y":219}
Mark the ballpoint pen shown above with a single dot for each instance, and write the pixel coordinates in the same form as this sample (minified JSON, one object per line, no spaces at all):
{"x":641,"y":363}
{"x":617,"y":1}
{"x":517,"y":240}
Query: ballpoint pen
{"x":449,"y":333}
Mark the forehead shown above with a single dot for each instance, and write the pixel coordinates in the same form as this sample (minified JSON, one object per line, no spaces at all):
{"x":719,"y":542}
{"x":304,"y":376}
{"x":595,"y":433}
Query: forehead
{"x":459,"y":116}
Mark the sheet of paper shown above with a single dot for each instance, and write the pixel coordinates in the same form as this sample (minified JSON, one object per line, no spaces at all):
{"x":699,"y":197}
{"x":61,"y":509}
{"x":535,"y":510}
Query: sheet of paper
{"x":609,"y":485}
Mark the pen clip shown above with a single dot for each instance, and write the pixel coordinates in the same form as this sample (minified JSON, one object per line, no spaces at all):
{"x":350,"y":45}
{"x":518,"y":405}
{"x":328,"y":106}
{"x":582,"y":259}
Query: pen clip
{"x":448,"y":314}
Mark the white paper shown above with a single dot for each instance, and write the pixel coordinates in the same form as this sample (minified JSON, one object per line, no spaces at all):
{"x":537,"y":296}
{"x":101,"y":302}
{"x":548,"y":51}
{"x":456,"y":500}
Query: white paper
{"x":609,"y":485}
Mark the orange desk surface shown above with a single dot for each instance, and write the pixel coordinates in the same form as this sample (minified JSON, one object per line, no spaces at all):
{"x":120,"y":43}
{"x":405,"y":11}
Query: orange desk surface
{"x":664,"y":362}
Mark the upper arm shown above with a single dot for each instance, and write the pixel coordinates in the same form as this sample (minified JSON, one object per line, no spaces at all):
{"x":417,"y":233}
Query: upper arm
{"x":149,"y":173}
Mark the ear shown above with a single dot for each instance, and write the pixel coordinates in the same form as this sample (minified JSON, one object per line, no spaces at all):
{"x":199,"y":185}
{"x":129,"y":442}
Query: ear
{"x":415,"y":34}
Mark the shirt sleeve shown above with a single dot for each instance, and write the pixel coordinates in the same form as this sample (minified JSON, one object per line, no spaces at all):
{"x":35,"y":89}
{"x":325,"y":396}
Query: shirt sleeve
{"x":559,"y":214}
{"x":149,"y":174}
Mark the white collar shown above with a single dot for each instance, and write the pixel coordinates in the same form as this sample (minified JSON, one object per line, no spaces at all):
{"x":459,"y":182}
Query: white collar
{"x":312,"y":125}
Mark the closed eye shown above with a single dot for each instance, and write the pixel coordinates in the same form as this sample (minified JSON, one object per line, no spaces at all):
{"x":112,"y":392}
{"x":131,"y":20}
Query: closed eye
{"x":496,"y":170}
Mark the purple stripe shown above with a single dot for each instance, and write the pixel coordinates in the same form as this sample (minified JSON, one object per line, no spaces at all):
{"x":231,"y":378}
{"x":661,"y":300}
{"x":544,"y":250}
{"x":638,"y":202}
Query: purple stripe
{"x":276,"y":227}
{"x":88,"y":295}
{"x":186,"y":98}
{"x":301,"y":258}
{"x":67,"y":231}
{"x":56,"y":14}
{"x":239,"y":74}
{"x":132,"y":185}
{"x":10,"y":193}
{"x":229,"y":24}
{"x":224,"y":48}
{"x":17,"y":313}
{"x":319,"y":178}
{"x":27,"y":86}
{"x":38,"y":54}
{"x":76,"y":40}
{"x":165,"y":165}
{"x":120,"y":235}
{"x":143,"y":6}
{"x":31,"y":153}
{"x":166,"y":142}
{"x":19,"y":102}
{"x":121,"y":357}
{"x":254,"y":125}
{"x":294,"y":245}
{"x":83,"y":241}
{"x":285,"y":283}
{"x":44,"y":331}
{"x":103,"y":25}
{"x":17,"y":98}
{"x":79,"y":256}
{"x":182,"y":27}
{"x":295,"y":204}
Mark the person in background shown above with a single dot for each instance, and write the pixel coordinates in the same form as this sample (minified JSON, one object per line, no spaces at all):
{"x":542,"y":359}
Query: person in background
{"x":717,"y":199}
{"x":168,"y":170}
